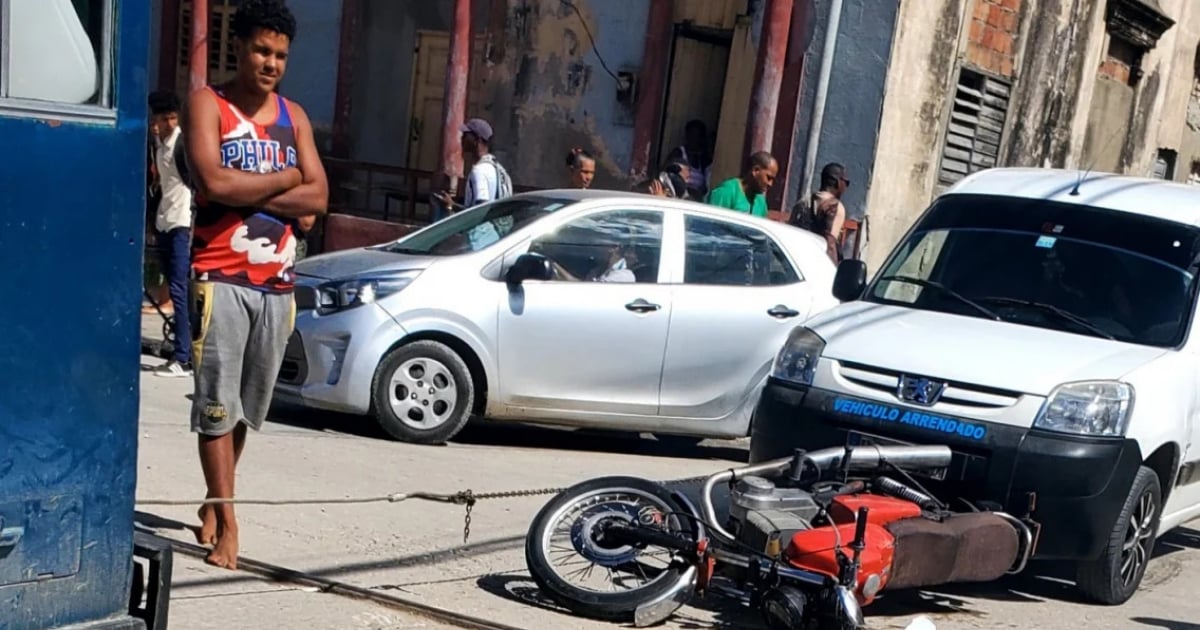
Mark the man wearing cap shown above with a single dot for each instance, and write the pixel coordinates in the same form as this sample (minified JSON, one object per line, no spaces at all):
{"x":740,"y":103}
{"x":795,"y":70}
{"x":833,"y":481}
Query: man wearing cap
{"x":487,"y":181}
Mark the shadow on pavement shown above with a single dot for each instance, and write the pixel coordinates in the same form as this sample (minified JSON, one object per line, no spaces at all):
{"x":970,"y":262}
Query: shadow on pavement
{"x":521,"y":436}
{"x":154,"y":524}
{"x":522,"y":590}
{"x":1041,"y":582}
{"x":1166,"y":623}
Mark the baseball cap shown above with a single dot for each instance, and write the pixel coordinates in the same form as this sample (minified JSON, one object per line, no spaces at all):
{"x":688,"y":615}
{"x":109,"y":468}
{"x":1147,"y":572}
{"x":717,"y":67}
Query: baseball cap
{"x":479,"y":127}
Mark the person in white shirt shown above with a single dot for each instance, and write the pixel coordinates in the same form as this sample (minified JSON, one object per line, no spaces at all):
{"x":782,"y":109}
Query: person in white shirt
{"x":488,"y":180}
{"x":173,"y":222}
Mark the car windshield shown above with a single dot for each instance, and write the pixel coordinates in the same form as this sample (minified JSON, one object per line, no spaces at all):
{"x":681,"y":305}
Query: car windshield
{"x":479,"y":227}
{"x":1060,"y":266}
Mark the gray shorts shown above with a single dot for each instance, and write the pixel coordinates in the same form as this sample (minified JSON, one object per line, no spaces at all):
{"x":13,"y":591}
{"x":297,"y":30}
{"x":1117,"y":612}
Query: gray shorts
{"x":238,"y":339}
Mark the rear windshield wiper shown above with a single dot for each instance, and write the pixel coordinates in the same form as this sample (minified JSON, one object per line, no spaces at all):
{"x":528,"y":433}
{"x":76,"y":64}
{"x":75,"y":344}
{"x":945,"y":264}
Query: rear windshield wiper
{"x":941,"y":288}
{"x":1064,"y":315}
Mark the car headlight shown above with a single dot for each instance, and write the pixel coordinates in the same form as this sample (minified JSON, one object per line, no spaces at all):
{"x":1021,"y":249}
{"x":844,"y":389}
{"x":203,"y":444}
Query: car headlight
{"x":797,"y":360}
{"x":340,"y":295}
{"x":1093,"y":408}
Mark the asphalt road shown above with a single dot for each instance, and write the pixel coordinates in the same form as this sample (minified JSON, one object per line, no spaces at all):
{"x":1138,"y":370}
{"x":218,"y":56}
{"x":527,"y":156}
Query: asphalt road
{"x":415,"y":550}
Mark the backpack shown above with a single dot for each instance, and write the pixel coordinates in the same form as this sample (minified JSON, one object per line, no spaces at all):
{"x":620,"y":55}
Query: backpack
{"x":181,"y":163}
{"x":503,"y":181}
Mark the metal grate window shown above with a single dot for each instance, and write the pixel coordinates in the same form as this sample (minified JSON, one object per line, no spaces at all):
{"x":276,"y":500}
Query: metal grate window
{"x":976,"y":125}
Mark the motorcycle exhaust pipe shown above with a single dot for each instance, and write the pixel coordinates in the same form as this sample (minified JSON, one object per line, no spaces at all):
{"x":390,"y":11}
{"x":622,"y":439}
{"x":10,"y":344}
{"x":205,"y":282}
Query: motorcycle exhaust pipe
{"x":861,"y":458}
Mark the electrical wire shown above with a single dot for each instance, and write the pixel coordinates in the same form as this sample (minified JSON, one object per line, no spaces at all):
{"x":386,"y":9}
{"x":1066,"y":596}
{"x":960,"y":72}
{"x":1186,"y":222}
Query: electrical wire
{"x":588,"y":31}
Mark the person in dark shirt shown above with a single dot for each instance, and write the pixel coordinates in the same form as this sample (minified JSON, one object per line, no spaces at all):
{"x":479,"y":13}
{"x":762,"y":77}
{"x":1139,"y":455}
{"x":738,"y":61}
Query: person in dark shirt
{"x":823,"y":212}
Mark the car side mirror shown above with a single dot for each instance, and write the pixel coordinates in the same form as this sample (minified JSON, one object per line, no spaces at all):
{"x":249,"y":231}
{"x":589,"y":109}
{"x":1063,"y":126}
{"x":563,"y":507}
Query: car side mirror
{"x":850,"y":280}
{"x":529,"y":267}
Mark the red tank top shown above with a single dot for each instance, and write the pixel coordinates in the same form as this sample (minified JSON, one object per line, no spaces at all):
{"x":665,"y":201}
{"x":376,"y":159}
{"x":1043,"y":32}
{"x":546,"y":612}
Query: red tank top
{"x":247,"y":246}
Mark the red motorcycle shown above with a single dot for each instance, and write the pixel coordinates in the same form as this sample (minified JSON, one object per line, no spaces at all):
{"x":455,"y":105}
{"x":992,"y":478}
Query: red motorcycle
{"x":809,"y":541}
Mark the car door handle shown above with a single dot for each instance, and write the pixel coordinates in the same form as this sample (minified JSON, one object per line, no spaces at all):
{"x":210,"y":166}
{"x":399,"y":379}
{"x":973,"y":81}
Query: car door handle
{"x":641,"y":306}
{"x":783,"y":312}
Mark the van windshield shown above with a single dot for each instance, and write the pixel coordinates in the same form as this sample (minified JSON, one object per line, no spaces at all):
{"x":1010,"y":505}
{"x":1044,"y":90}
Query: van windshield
{"x":477,"y":228}
{"x":1067,"y":267}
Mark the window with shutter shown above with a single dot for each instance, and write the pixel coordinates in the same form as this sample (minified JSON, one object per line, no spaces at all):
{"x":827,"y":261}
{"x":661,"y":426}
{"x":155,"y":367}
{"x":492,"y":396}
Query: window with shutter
{"x":222,"y":60}
{"x":976,"y":126}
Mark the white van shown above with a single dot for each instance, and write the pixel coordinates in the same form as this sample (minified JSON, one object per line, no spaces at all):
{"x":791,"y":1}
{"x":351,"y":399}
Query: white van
{"x":1039,"y":323}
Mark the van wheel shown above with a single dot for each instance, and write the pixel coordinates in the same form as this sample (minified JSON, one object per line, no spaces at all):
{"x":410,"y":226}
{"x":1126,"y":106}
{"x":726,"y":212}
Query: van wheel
{"x":1115,"y":576}
{"x":422,"y":393}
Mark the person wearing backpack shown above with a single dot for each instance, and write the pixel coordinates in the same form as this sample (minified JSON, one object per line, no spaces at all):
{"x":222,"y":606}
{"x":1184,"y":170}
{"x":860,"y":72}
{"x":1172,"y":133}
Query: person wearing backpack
{"x":173,"y":222}
{"x":488,"y":180}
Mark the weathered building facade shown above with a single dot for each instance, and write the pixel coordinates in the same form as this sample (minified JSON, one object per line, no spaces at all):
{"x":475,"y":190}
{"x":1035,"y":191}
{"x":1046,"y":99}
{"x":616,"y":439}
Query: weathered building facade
{"x":1105,"y":85}
{"x":911,"y":96}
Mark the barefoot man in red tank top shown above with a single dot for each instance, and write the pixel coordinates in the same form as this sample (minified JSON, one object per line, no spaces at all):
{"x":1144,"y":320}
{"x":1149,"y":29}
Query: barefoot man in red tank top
{"x":259,"y":181}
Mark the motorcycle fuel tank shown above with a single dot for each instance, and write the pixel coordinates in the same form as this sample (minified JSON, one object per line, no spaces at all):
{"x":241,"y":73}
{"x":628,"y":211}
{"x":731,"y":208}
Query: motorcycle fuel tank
{"x":815,"y":550}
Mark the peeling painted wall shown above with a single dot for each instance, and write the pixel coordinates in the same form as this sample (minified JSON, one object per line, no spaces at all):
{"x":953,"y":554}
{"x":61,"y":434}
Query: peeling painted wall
{"x":1181,"y":106}
{"x":850,"y":131}
{"x":1109,"y":116}
{"x":1057,"y":97}
{"x":1057,"y":64}
{"x":1154,"y":108}
{"x":924,"y":57}
{"x":548,"y":92}
{"x":384,"y":57}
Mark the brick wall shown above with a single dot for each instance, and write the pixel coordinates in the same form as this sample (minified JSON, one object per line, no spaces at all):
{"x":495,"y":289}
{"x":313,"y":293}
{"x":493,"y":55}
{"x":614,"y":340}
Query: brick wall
{"x":992,"y":43}
{"x":1119,"y":61}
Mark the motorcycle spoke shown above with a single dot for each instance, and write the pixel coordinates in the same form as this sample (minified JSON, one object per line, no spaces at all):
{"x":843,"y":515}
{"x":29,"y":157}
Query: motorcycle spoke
{"x":574,"y":553}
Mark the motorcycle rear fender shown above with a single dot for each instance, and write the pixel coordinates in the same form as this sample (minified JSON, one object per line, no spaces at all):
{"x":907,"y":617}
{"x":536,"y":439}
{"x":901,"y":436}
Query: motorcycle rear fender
{"x":659,"y":609}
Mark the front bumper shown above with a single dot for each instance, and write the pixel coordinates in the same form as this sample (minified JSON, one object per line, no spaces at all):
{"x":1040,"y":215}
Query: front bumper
{"x":330,"y":360}
{"x":1079,"y":485}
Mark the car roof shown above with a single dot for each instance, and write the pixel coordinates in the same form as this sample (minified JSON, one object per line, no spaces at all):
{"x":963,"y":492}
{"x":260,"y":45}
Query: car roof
{"x":605,"y":197}
{"x":1123,"y":193}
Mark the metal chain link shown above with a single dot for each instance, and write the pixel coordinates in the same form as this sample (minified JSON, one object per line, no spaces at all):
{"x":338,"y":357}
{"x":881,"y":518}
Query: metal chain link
{"x":466,"y":498}
{"x":469,"y":498}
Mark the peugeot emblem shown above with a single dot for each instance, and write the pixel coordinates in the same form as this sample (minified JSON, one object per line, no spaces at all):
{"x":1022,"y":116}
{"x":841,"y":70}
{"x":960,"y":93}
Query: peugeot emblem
{"x":919,"y":390}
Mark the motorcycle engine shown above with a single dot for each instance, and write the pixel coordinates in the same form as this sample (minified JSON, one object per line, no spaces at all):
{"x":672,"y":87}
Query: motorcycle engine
{"x":758,"y":510}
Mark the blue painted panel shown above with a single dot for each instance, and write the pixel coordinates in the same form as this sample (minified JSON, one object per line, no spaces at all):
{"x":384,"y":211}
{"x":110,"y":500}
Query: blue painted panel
{"x":854,"y":105}
{"x":71,"y":218}
{"x":311,"y":78}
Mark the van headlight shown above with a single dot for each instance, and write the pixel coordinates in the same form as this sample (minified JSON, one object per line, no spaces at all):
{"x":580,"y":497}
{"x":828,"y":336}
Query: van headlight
{"x":1093,"y":408}
{"x":346,"y":293}
{"x":797,"y":360}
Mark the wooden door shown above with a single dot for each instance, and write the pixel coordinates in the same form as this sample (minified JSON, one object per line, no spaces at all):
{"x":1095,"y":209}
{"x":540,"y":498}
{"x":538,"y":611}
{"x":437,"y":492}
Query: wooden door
{"x":431,"y":64}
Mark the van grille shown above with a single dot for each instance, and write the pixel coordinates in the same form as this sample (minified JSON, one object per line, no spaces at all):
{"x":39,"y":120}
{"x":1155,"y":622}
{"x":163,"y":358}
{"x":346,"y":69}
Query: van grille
{"x":961,"y":394}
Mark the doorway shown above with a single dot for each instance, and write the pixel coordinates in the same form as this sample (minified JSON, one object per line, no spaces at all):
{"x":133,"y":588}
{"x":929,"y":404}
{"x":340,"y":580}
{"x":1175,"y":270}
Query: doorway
{"x":697,"y":69}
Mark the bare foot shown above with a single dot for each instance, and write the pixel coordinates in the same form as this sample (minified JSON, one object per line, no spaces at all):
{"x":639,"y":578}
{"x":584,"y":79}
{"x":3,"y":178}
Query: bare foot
{"x":224,"y":555}
{"x":207,"y":533}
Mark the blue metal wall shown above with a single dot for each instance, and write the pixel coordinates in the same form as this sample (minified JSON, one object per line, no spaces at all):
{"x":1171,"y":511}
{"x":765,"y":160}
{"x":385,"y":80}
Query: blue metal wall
{"x":71,"y":217}
{"x":311,"y":78}
{"x":854,"y":103}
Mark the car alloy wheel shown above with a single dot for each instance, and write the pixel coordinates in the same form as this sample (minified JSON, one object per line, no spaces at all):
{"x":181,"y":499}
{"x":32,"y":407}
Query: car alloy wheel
{"x":423,"y":393}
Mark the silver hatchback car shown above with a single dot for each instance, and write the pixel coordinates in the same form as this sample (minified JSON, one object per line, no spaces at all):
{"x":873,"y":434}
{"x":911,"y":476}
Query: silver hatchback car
{"x":584,"y":308}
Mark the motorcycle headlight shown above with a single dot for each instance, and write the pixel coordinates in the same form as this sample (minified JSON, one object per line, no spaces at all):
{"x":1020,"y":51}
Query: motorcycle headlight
{"x":340,"y":295}
{"x":797,"y":360}
{"x":1093,"y":408}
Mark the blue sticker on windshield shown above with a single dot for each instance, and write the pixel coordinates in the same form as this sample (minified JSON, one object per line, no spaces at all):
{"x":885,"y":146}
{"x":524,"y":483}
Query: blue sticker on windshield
{"x":927,"y":421}
{"x":1046,"y":242}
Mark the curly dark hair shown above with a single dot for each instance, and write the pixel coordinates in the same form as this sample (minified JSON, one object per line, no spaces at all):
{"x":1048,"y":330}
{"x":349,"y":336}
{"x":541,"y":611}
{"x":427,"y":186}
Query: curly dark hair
{"x":164,"y":102}
{"x":270,"y":15}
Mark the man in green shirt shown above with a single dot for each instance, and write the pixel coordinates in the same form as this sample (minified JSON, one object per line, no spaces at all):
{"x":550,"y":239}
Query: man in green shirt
{"x":735,"y":193}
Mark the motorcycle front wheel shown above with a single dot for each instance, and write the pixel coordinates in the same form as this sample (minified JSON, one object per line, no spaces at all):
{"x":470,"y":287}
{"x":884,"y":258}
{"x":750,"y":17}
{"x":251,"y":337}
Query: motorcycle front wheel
{"x":575,"y":567}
